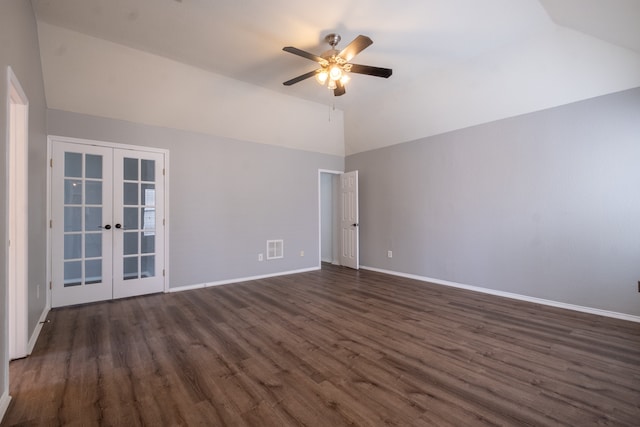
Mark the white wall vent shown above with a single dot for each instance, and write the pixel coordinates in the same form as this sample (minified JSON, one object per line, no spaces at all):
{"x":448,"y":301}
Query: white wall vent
{"x":275,"y":249}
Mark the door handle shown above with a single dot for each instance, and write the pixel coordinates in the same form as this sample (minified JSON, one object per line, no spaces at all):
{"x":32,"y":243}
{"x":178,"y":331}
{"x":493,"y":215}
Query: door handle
{"x":353,"y":225}
{"x":106,"y":227}
{"x":118,"y":225}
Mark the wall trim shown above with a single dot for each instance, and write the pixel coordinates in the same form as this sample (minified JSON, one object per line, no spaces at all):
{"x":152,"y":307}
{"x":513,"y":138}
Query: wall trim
{"x":110,"y":144}
{"x":38,"y":329}
{"x":4,"y":404}
{"x":241,"y":279}
{"x":558,"y":304}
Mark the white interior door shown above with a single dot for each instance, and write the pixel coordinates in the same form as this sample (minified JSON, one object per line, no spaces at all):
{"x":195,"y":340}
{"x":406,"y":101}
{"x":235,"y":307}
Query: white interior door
{"x":81,"y":224}
{"x":349,"y":227}
{"x":107,"y":207}
{"x":138,"y":215}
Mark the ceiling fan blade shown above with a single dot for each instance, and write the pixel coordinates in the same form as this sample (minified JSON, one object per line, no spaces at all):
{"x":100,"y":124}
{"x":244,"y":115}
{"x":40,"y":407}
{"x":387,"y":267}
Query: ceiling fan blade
{"x":371,"y":71}
{"x":300,"y":78}
{"x":358,"y":44}
{"x":339,"y":90}
{"x":304,"y":54}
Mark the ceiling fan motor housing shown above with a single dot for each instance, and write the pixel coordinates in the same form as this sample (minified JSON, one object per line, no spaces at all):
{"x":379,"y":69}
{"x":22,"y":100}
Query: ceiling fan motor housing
{"x":333,"y":39}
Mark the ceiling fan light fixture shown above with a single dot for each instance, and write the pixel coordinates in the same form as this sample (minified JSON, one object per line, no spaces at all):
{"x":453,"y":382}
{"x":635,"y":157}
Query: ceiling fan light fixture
{"x":335,"y":72}
{"x":332,"y":85}
{"x":322,"y":76}
{"x":344,"y":79}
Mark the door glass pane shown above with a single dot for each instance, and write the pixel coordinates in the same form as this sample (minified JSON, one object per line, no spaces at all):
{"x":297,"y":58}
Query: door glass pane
{"x":73,"y":165}
{"x":72,"y":273}
{"x":130,"y":169}
{"x":72,"y":219}
{"x":94,"y":166}
{"x":93,"y":245}
{"x":130,"y":218}
{"x":147,"y":266}
{"x":92,"y":218}
{"x":148,"y":170}
{"x":72,"y":192}
{"x":130,"y":268}
{"x":130,"y":196}
{"x":148,"y":194}
{"x":130,"y":244}
{"x":147,"y":243}
{"x":93,"y":271}
{"x":94,"y":192}
{"x":72,"y":246}
{"x":148,"y":218}
{"x":82,"y":200}
{"x":139,"y":217}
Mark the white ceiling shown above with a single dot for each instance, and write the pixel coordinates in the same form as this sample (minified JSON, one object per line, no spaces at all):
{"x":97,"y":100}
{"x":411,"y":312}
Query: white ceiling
{"x":243,"y":39}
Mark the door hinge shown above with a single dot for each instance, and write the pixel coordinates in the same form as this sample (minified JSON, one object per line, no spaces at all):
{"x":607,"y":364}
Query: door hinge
{"x":163,"y":172}
{"x":50,"y":285}
{"x":50,"y":223}
{"x":163,"y":272}
{"x":51,"y":162}
{"x":163,"y":221}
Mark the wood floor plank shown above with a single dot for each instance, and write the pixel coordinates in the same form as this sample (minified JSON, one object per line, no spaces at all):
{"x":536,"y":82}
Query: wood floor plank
{"x":333,"y":347}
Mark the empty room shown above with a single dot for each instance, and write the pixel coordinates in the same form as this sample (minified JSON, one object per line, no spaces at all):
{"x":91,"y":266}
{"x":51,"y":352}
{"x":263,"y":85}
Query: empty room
{"x":250,"y":213}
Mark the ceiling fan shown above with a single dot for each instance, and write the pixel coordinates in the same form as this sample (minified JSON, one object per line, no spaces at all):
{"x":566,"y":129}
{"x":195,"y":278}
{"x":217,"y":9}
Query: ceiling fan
{"x":335,"y":66}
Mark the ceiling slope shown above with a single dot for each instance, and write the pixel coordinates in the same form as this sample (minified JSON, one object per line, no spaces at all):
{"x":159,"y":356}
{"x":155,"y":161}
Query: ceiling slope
{"x":92,"y":76}
{"x":455,"y":63}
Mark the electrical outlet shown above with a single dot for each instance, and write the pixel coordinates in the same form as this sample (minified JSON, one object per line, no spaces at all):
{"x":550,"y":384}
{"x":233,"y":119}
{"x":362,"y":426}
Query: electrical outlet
{"x":260,"y":257}
{"x":389,"y":254}
{"x":301,"y":253}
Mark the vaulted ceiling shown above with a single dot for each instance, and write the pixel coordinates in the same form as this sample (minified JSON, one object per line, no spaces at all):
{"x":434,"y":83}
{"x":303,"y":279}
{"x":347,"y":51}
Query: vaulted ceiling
{"x":455,"y":62}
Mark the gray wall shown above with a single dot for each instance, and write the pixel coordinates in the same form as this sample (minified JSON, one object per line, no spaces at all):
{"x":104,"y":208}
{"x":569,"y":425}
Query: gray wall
{"x":227,"y":198}
{"x":545,"y":205}
{"x":19,"y":49}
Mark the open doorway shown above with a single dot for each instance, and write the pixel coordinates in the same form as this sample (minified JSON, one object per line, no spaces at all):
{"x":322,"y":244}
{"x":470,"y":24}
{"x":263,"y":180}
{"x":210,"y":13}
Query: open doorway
{"x":329,"y":182}
{"x":338,"y":225}
{"x":17,"y":155}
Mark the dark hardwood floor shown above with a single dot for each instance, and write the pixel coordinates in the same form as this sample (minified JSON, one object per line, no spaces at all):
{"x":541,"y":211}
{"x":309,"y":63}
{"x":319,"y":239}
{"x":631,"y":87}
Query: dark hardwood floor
{"x":328,"y":348}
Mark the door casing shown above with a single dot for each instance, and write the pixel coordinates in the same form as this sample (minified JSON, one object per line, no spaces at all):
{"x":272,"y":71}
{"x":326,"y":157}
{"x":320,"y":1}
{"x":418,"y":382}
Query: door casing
{"x":51,"y":140}
{"x":17,"y":218}
{"x":337,"y":199}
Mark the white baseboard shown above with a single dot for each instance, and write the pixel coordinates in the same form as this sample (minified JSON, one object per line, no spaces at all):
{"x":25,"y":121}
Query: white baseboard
{"x":4,"y":404}
{"x":241,"y":279}
{"x":552,"y":303}
{"x":186,"y":287}
{"x":37,"y":330}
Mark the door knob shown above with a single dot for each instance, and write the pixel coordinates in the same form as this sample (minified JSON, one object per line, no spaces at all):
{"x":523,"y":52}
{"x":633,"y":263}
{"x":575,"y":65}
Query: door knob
{"x":118,"y":225}
{"x":354,"y":225}
{"x":107,"y":227}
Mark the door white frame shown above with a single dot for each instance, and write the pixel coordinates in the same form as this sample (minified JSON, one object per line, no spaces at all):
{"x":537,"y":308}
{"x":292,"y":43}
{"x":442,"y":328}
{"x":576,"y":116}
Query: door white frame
{"x":17,"y":218}
{"x":51,"y":139}
{"x":336,"y":226}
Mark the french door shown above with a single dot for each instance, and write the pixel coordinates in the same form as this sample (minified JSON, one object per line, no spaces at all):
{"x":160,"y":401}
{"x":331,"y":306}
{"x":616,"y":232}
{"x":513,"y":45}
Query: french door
{"x":107,"y":223}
